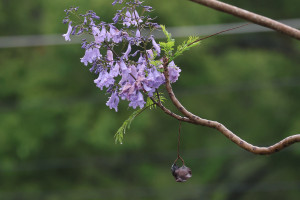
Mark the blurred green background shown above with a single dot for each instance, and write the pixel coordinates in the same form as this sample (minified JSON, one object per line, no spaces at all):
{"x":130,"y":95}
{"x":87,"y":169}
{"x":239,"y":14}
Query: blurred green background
{"x":56,"y":134}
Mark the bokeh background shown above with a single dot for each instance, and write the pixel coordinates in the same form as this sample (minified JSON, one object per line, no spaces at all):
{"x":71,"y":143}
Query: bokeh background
{"x":57,"y":135}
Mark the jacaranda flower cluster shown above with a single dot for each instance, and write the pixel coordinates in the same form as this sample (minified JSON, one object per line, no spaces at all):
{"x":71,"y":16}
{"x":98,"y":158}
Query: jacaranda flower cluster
{"x":125,"y":56}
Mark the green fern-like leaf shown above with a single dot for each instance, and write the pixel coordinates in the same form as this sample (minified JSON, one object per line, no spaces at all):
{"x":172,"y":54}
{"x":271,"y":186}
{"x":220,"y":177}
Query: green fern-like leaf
{"x":167,"y":34}
{"x":167,"y":47}
{"x":150,"y":103}
{"x":119,"y":136}
{"x":186,"y":45}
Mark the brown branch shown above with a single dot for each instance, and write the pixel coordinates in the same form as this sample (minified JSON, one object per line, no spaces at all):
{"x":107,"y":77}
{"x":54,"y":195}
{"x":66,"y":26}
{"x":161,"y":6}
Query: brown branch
{"x":221,"y":128}
{"x":249,"y":16}
{"x":168,"y":112}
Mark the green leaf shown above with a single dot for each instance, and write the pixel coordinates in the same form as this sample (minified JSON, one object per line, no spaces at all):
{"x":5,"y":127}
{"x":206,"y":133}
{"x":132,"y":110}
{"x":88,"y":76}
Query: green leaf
{"x":119,"y":136}
{"x":167,"y":34}
{"x":186,"y":45}
{"x":167,"y":47}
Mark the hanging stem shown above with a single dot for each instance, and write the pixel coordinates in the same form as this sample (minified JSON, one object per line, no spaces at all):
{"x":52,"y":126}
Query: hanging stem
{"x":178,"y":145}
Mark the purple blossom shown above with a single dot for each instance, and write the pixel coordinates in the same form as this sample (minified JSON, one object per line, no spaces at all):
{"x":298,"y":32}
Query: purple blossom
{"x":115,"y":34}
{"x":138,"y":33}
{"x":150,"y":54}
{"x":135,"y":53}
{"x":116,"y":18}
{"x":134,"y":77}
{"x":113,"y":101}
{"x":156,"y":46}
{"x":137,"y":100}
{"x":117,"y":1}
{"x":99,"y":36}
{"x":127,"y":19}
{"x":124,"y":69}
{"x":104,"y":80}
{"x":148,"y":8}
{"x":136,"y":18}
{"x":125,"y":56}
{"x":91,"y":54}
{"x":141,"y":68}
{"x":138,"y":38}
{"x":110,"y":57}
{"x":128,"y":90}
{"x":173,"y":72}
{"x":115,"y":70}
{"x":155,"y":78}
{"x":67,"y":35}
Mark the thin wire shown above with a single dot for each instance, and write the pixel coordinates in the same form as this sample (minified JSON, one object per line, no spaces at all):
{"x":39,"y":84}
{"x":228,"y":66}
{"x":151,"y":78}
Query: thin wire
{"x":219,"y":33}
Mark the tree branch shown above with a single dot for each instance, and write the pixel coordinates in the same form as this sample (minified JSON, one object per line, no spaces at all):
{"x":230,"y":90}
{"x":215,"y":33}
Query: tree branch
{"x":249,"y":16}
{"x":168,"y":112}
{"x":221,"y":128}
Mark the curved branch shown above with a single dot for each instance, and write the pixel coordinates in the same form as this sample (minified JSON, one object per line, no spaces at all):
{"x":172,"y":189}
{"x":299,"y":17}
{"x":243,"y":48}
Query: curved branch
{"x":167,"y":111}
{"x":249,"y":16}
{"x":221,"y":128}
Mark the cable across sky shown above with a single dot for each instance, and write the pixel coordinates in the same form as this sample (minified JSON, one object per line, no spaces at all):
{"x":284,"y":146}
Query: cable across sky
{"x":177,"y":32}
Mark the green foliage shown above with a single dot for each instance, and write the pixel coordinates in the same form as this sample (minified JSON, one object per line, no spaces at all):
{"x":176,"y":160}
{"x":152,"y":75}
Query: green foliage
{"x":119,"y":136}
{"x":156,"y":98}
{"x":167,"y":34}
{"x":56,"y":133}
{"x":186,"y":45}
{"x":167,"y":47}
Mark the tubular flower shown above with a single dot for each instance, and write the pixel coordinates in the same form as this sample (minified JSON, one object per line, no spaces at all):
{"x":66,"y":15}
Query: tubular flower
{"x":67,"y":35}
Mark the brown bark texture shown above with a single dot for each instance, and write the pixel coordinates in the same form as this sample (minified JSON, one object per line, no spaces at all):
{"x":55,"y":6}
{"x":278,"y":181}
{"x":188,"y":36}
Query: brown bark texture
{"x":251,"y":17}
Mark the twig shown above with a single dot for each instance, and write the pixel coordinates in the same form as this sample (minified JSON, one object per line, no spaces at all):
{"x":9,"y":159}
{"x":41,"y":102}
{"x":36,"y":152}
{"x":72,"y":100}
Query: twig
{"x":168,"y":112}
{"x":250,"y":16}
{"x":221,"y":128}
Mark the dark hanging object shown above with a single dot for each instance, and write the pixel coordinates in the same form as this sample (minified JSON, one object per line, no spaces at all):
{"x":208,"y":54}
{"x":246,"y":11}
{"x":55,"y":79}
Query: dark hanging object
{"x":181,"y":174}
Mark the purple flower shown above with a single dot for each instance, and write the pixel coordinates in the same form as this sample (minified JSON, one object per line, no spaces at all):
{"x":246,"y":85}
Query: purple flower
{"x":115,"y":34}
{"x":173,"y":72}
{"x":136,"y":18}
{"x":124,"y":69}
{"x":150,"y":54}
{"x":113,"y":101}
{"x":138,"y":38}
{"x":148,"y":8}
{"x":141,"y":68}
{"x":117,"y":1}
{"x":90,"y":55}
{"x":128,"y":90}
{"x":67,"y":35}
{"x":125,"y":56}
{"x":99,"y":36}
{"x":141,"y":60}
{"x":127,"y":19}
{"x":138,"y":33}
{"x":137,"y":100}
{"x":155,"y":78}
{"x":110,"y":57}
{"x":116,"y":18}
{"x":156,"y":46}
{"x":104,"y":80}
{"x":133,"y":71}
{"x":114,"y":71}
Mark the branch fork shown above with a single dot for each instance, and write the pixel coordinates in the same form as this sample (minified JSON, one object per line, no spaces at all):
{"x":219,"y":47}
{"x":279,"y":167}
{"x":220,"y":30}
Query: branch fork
{"x":194,"y":119}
